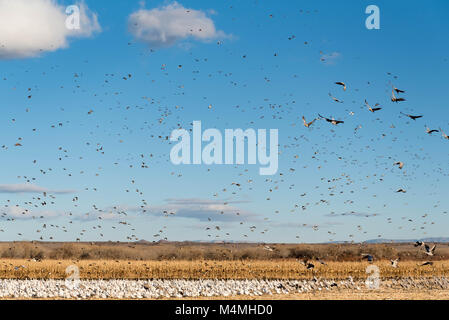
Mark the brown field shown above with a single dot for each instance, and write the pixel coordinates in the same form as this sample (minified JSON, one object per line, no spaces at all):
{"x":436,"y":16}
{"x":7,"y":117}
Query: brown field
{"x":256,"y":269}
{"x":107,"y":260}
{"x":194,"y":251}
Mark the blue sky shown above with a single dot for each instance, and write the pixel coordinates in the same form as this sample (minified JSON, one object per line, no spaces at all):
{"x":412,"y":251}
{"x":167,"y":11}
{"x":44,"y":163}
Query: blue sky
{"x":254,"y":77}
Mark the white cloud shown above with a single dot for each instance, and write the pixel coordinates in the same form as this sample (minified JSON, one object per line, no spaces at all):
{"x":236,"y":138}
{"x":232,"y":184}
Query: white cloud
{"x":192,"y":208}
{"x":162,"y":27}
{"x":330,"y":58}
{"x":204,"y":209}
{"x":29,"y":188}
{"x":19,"y":213}
{"x":31,"y":27}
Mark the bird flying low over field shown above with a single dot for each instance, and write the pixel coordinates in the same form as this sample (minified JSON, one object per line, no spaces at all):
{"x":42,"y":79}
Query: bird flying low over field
{"x":368,"y":257}
{"x":429,"y":251}
{"x":419,"y":243}
{"x":394,"y":263}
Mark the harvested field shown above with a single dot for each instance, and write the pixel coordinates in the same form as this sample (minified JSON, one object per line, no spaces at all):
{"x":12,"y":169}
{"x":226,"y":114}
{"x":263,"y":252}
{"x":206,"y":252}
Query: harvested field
{"x":279,"y":269}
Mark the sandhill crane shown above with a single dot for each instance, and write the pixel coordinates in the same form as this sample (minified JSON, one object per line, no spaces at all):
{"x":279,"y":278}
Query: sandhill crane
{"x":398,"y":90}
{"x":335,"y":99}
{"x":308,"y":124}
{"x":394,"y":98}
{"x":429,"y":131}
{"x":445,"y":136}
{"x":372,"y":109}
{"x":341,"y":84}
{"x":400,"y":164}
{"x":411,"y":117}
{"x":333,"y":121}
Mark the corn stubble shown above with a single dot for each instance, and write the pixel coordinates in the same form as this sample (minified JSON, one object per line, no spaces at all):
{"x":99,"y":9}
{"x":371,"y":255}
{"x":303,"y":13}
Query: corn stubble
{"x":257,"y":269}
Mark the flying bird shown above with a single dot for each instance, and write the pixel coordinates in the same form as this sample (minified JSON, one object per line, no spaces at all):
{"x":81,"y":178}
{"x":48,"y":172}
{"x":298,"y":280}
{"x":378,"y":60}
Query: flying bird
{"x":398,"y":91}
{"x":400,"y":164}
{"x":445,"y":136}
{"x":335,"y":99}
{"x":419,"y":244}
{"x":429,"y":131}
{"x":411,"y":117}
{"x":341,"y":84}
{"x":333,"y":121}
{"x":372,"y":109}
{"x":394,"y":98}
{"x":429,"y":251}
{"x":308,"y":124}
{"x":394,"y":263}
{"x":368,"y":257}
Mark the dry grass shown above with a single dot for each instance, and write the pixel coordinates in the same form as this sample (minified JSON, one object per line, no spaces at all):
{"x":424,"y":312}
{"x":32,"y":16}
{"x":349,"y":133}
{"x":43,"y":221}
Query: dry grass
{"x":189,"y":260}
{"x":279,"y":269}
{"x":211,"y":251}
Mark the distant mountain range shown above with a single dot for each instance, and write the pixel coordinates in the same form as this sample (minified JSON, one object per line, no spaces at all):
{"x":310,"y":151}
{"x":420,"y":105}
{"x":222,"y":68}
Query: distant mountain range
{"x":374,"y":241}
{"x":431,"y":239}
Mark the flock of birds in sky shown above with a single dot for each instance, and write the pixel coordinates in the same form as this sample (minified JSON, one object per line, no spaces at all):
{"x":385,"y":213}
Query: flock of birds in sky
{"x":139,"y":127}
